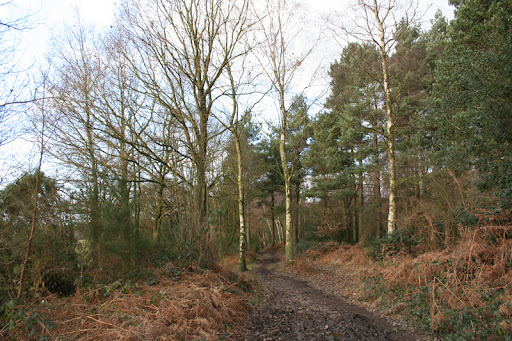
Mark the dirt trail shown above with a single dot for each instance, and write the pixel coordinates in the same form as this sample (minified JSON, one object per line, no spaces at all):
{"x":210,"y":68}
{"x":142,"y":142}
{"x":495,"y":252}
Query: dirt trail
{"x":293,"y":309}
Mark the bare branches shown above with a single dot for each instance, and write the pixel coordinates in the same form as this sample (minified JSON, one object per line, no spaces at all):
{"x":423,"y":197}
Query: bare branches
{"x":368,"y":18}
{"x":13,"y":78}
{"x":281,"y":57}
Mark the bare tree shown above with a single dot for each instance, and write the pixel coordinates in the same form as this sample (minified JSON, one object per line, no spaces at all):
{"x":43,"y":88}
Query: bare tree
{"x":14,"y":82}
{"x":381,"y":22}
{"x":236,"y":123}
{"x":75,"y":90}
{"x":40,"y":131}
{"x":183,"y":48}
{"x":283,"y":50}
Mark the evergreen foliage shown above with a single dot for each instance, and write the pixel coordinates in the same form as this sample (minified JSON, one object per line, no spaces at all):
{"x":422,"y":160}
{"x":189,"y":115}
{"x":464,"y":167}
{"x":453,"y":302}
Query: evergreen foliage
{"x":472,"y":94}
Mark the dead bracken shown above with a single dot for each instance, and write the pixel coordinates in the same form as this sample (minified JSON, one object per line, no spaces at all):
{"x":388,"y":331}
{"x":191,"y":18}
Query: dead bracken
{"x":191,"y":304}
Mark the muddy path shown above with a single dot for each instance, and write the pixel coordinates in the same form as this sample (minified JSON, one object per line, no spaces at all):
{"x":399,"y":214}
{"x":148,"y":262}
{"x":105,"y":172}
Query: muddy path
{"x":292,"y":309}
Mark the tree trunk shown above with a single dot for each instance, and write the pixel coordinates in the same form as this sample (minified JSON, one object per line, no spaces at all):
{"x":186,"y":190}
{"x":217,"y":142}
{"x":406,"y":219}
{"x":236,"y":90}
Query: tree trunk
{"x":296,"y":215}
{"x":353,"y":219}
{"x":247,"y":230}
{"x":32,"y":230}
{"x":287,"y":191}
{"x":95,"y":195}
{"x":206,"y":256}
{"x":137,"y":198}
{"x":272,"y":214}
{"x":34,"y":212}
{"x":360,"y":199}
{"x":242,"y":265}
{"x":417,"y":187}
{"x":289,"y":252}
{"x":125,"y":194}
{"x":389,"y":125}
{"x":353,"y":203}
{"x":378,"y":197}
{"x":158,"y":215}
{"x":280,"y":231}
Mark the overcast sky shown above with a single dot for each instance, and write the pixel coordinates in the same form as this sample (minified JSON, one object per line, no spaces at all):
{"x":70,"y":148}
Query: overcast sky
{"x":50,"y":15}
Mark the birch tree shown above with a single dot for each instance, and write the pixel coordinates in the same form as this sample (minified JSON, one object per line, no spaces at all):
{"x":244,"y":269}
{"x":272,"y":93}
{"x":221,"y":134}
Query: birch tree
{"x":381,"y":22}
{"x":283,"y":50}
{"x":236,"y":126}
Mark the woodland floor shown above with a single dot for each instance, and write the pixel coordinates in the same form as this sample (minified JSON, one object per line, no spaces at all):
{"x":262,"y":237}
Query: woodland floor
{"x":297,"y":309}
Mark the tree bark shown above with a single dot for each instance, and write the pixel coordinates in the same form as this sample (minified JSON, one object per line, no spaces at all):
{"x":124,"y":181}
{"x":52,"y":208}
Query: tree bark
{"x":242,"y":265}
{"x":360,"y":199}
{"x":287,"y":186}
{"x":390,"y":123}
{"x":273,"y":215}
{"x":378,"y":197}
{"x":296,"y":215}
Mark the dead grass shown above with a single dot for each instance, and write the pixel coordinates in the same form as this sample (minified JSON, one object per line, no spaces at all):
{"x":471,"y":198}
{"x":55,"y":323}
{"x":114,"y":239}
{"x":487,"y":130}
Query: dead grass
{"x":178,"y":305}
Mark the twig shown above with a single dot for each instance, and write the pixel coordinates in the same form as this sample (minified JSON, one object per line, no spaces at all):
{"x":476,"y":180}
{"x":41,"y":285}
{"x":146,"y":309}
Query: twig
{"x":76,"y":318}
{"x":149,"y":307}
{"x":464,"y":290}
{"x":76,"y":332}
{"x":457,"y":297}
{"x":109,"y":324}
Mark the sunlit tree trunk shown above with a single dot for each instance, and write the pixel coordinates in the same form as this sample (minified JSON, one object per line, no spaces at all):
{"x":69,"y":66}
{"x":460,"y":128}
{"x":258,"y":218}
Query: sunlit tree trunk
{"x":242,"y":264}
{"x":390,"y":133}
{"x":272,"y":214}
{"x":296,"y":220}
{"x":378,"y":197}
{"x":281,"y":29}
{"x":289,"y":240}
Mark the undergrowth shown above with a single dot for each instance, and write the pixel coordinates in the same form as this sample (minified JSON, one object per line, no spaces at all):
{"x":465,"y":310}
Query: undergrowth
{"x":459,"y":293}
{"x":462,"y":292}
{"x":165,"y":303}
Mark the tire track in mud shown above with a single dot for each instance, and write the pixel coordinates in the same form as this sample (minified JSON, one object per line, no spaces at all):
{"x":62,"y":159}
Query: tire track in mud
{"x":292,"y":309}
